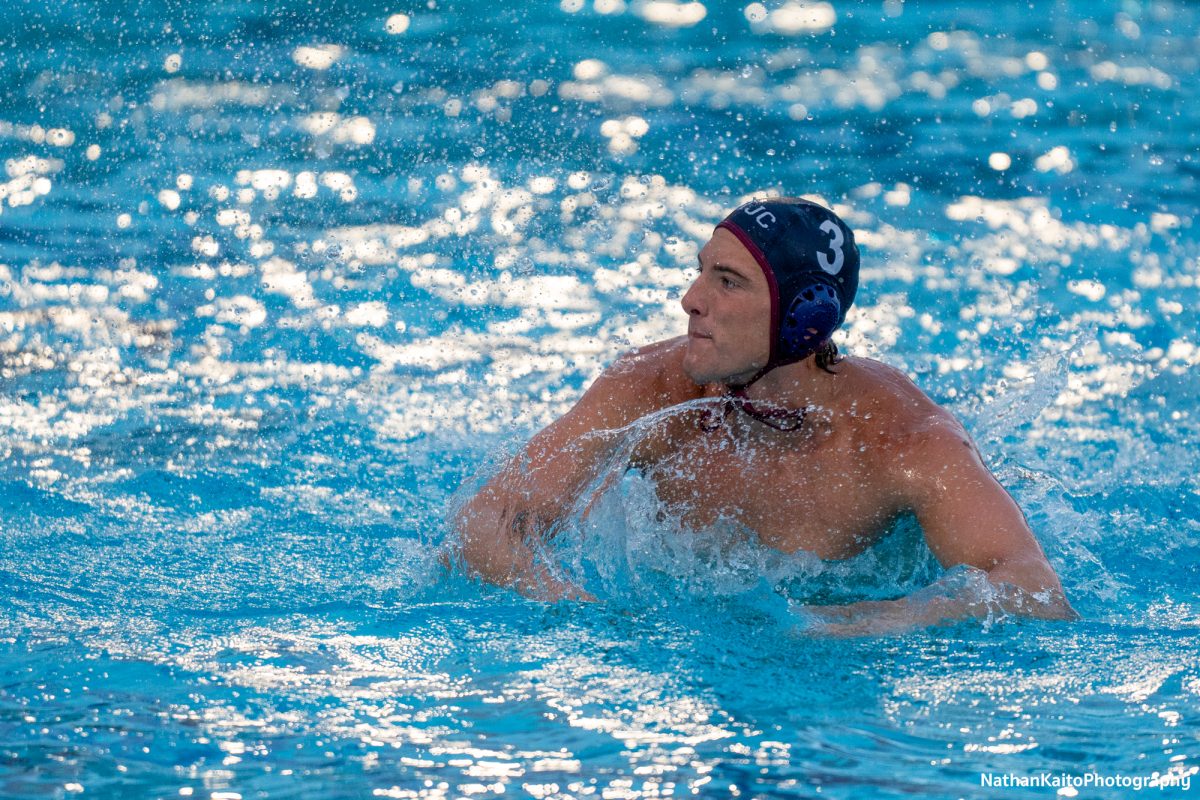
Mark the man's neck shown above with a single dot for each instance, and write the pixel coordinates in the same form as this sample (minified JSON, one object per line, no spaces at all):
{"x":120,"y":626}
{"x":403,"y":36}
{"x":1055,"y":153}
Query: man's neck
{"x":796,"y":385}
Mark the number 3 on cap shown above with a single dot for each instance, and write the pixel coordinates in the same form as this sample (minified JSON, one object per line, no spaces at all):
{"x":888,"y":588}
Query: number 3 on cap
{"x":835,"y":245}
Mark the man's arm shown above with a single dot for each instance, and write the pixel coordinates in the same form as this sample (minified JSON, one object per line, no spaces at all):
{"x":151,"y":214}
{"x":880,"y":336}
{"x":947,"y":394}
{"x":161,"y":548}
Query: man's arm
{"x":502,"y":526}
{"x":968,"y":519}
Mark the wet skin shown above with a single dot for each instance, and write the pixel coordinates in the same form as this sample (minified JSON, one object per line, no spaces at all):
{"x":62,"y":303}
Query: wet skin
{"x":819,"y":489}
{"x":873,"y":446}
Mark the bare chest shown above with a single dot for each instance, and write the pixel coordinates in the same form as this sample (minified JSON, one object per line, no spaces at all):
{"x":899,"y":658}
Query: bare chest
{"x":797,"y":490}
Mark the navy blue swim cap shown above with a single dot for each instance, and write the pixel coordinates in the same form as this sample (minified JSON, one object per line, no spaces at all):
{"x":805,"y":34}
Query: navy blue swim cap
{"x":810,"y":261}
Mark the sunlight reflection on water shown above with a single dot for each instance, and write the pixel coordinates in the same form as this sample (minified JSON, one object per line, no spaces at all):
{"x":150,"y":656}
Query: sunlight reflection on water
{"x":274,"y":284}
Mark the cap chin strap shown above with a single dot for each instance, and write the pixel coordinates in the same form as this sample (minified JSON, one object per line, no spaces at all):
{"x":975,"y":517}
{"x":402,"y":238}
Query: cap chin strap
{"x":781,"y":419}
{"x":740,"y":388}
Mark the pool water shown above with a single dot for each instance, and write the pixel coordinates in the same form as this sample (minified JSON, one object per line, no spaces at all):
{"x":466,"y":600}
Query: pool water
{"x":279,"y":287}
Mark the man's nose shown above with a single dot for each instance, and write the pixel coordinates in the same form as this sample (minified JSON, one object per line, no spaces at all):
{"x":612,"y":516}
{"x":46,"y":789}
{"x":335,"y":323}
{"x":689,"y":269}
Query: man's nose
{"x":692,"y":301}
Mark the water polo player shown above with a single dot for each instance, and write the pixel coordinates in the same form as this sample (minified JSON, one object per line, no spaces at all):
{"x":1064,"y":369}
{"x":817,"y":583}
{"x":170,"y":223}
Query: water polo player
{"x":809,"y":449}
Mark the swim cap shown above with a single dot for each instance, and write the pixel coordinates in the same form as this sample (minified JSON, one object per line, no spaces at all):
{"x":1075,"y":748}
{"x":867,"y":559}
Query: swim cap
{"x":810,"y":261}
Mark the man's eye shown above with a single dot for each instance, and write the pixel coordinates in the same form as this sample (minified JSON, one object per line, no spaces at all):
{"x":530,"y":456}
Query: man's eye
{"x":728,"y":283}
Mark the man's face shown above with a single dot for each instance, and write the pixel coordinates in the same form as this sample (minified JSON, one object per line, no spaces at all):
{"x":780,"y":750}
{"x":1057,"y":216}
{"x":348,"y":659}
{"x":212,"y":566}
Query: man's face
{"x":729,"y":314}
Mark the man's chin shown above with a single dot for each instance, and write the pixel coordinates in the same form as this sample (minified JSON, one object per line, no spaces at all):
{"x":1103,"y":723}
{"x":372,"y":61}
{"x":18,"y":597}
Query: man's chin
{"x":704,"y":374}
{"x":697,"y":373}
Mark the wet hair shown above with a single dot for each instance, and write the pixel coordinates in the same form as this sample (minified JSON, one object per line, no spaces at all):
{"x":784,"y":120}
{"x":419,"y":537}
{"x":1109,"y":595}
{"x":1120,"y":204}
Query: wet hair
{"x":827,"y":356}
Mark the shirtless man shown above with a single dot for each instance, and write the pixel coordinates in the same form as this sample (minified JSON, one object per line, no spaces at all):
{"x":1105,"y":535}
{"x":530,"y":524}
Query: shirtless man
{"x":810,"y":450}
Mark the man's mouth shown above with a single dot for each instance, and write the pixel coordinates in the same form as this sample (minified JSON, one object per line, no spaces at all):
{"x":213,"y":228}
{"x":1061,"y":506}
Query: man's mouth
{"x":698,"y":335}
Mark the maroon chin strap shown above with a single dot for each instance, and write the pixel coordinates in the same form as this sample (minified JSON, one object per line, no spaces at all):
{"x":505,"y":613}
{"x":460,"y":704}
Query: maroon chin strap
{"x":781,"y":419}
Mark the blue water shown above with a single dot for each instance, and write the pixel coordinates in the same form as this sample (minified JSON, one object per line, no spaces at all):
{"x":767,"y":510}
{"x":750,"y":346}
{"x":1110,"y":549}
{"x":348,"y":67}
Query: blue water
{"x":275,"y":284}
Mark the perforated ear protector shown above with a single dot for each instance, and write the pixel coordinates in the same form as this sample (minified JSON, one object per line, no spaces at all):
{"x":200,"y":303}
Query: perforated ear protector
{"x":810,"y":320}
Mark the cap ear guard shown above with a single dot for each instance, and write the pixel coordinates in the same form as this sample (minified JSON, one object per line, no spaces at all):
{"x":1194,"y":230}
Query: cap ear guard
{"x":810,"y":320}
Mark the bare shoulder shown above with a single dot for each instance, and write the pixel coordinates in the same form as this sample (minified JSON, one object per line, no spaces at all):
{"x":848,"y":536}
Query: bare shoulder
{"x":651,"y":360}
{"x":642,"y":381}
{"x":894,"y":417}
